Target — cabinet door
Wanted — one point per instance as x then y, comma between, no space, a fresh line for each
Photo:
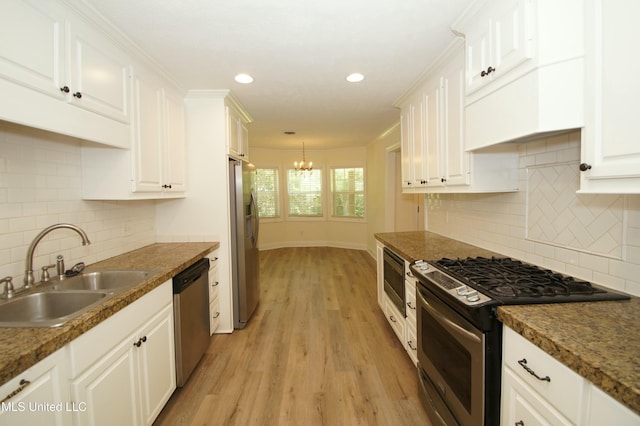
419,156
156,363
455,160
511,36
109,389
43,383
500,40
406,145
147,138
99,73
243,143
174,170
433,101
233,138
32,51
478,49
610,141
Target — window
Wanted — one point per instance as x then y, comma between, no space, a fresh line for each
267,184
347,192
305,193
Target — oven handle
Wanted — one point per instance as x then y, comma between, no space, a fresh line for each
446,322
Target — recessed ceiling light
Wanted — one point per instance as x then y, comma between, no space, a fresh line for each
244,78
355,77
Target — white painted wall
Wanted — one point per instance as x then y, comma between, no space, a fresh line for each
40,185
592,237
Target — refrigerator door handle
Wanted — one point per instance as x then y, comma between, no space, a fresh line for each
255,222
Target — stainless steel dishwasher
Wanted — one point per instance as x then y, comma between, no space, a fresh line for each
191,315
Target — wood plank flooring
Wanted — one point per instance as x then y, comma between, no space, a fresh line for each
318,351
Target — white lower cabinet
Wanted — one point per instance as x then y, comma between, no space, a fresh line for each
411,340
214,300
123,370
39,395
395,319
537,389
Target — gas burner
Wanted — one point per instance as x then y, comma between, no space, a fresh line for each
512,281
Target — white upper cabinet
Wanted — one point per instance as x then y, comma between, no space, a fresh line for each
99,74
59,73
237,131
36,57
610,148
433,137
498,43
413,147
448,164
155,166
524,69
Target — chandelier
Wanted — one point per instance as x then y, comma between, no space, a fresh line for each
302,166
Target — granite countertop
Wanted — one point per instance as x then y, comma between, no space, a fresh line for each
429,246
20,348
598,340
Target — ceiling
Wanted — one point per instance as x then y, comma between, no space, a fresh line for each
299,53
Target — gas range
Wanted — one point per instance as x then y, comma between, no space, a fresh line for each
482,283
458,333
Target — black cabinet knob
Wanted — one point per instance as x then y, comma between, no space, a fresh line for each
584,167
487,72
64,89
77,95
166,186
443,180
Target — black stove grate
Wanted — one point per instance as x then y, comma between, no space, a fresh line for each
505,278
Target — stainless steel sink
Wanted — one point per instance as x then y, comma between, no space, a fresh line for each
47,308
102,280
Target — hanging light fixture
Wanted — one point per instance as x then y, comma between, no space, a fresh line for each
302,166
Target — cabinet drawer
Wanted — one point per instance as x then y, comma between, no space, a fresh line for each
412,344
521,405
214,315
395,319
564,388
410,304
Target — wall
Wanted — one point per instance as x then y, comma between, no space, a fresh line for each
325,231
592,237
379,192
40,185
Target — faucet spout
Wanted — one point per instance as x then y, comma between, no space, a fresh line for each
28,273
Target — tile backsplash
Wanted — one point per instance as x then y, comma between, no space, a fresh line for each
40,185
592,237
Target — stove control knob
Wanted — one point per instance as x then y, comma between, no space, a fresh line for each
463,290
473,296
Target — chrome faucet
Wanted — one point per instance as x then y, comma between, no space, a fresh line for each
28,273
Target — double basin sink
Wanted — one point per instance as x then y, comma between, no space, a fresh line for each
55,302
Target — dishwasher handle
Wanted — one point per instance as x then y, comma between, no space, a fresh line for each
185,278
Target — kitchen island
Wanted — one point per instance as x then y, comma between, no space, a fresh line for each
597,340
21,348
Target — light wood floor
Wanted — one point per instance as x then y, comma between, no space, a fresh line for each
318,351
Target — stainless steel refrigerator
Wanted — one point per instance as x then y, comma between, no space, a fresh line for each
245,262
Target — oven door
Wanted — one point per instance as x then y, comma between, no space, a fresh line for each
451,358
394,279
